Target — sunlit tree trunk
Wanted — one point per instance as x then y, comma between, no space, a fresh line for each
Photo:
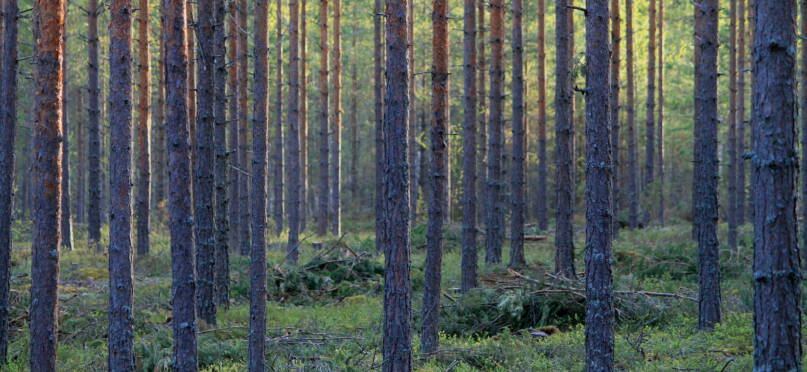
732,131
777,265
159,144
705,172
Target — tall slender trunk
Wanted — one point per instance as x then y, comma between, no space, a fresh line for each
257,262
243,144
8,121
293,145
777,265
469,255
541,205
46,178
378,95
660,120
143,139
740,116
439,157
190,45
222,248
397,340
159,144
630,109
517,258
803,105
705,176
94,130
354,119
335,208
564,144
276,164
324,153
494,214
482,169
65,217
183,278
732,130
412,130
234,174
81,155
121,273
650,106
204,193
614,102
305,193
599,227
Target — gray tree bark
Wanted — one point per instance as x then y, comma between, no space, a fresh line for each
494,216
66,215
94,130
335,208
378,95
517,258
221,276
564,144
469,255
324,126
777,265
276,164
143,188
293,145
705,176
542,209
616,145
630,110
650,107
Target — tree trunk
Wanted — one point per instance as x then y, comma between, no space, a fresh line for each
143,140
305,194
705,176
599,227
541,205
204,218
335,209
65,217
324,157
293,138
354,118
378,95
94,131
46,178
660,108
630,109
439,157
739,213
397,341
732,130
650,110
803,104
222,248
277,151
183,279
494,234
412,130
564,145
777,266
81,152
243,145
482,169
257,262
614,103
121,273
191,32
233,91
8,121
469,256
519,141
159,144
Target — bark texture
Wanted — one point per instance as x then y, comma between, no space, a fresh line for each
66,215
257,263
276,164
614,102
564,144
660,117
705,176
439,158
305,193
143,188
630,110
222,247
740,116
542,210
46,178
397,339
335,208
293,138
777,265
650,105
183,278
8,121
469,119
378,110
599,227
244,208
517,218
234,174
494,216
324,126
93,130
731,182
121,273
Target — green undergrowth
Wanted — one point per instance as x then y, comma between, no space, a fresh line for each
326,313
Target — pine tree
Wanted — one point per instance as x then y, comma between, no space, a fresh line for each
519,141
324,126
564,144
469,255
276,164
143,188
494,214
542,207
630,110
292,144
65,217
94,130
335,208
222,247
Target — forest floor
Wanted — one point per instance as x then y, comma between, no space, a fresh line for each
326,314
